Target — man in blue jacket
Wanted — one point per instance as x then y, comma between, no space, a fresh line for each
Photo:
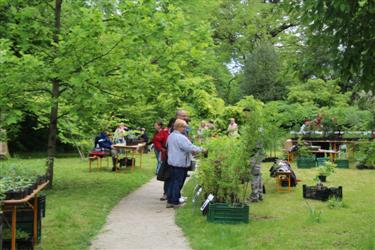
103,141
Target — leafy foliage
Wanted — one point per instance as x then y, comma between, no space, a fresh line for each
344,27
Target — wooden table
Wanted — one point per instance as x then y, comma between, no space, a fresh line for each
12,204
332,144
332,153
134,149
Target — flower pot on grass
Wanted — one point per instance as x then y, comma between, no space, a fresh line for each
322,178
227,213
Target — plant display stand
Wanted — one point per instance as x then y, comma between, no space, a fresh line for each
226,213
306,162
11,205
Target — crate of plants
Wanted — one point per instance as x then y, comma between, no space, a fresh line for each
18,180
321,192
18,187
305,159
226,177
228,213
342,163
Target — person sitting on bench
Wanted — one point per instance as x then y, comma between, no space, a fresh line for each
103,142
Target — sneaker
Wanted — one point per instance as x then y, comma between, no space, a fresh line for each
164,197
254,200
183,199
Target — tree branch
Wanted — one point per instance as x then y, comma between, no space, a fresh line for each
280,29
96,58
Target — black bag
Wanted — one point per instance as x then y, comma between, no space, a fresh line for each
164,171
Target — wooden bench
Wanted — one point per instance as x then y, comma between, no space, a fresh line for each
281,178
98,160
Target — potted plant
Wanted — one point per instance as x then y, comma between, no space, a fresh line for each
222,174
325,170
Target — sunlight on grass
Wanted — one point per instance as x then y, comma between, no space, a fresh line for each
285,221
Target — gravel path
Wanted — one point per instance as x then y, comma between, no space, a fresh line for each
141,221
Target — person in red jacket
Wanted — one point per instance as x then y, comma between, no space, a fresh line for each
158,125
160,141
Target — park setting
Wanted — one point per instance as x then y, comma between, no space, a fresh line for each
187,124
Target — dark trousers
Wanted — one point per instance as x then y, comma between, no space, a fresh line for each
175,183
165,187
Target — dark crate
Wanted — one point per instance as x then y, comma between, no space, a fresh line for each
321,192
20,244
303,162
342,163
225,213
25,220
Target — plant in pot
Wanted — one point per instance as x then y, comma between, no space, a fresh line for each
325,170
222,174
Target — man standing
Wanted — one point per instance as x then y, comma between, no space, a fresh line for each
179,159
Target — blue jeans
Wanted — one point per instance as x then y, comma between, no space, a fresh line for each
158,161
175,183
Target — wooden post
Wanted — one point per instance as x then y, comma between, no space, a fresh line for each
35,231
14,224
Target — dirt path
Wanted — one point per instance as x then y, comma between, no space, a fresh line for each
141,221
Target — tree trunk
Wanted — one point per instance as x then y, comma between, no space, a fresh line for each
52,133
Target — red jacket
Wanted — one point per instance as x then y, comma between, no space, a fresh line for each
159,141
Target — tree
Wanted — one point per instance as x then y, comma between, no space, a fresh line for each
261,72
346,29
78,65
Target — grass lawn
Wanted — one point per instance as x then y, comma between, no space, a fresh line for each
80,201
285,221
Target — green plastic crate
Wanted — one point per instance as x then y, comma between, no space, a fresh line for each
342,163
225,213
304,162
321,160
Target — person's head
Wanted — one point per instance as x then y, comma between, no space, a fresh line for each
121,126
307,122
158,125
203,124
232,120
182,114
180,125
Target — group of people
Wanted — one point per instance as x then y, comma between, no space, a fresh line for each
103,142
173,145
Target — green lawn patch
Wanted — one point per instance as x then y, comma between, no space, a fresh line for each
287,221
80,201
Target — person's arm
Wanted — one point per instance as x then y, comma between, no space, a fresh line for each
158,141
186,145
